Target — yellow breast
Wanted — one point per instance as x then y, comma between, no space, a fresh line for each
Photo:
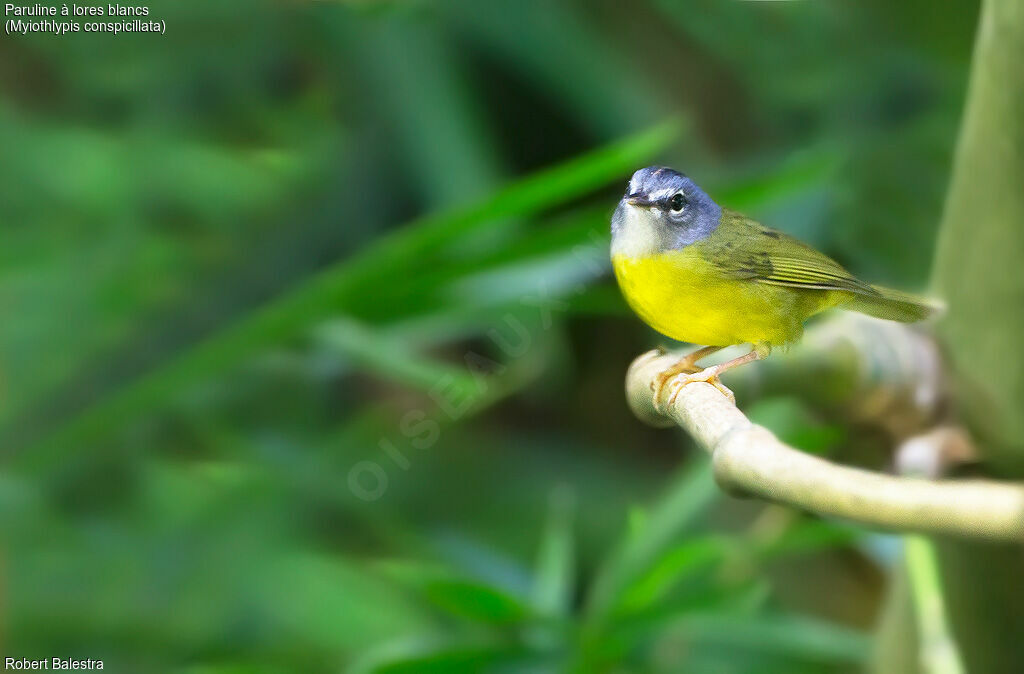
685,298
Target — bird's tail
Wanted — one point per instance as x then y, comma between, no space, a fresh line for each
894,305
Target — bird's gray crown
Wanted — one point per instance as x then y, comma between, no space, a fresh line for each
657,179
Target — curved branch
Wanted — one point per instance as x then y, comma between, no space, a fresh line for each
748,458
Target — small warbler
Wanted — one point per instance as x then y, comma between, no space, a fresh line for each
700,273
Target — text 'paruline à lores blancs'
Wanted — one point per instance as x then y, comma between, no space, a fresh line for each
68,18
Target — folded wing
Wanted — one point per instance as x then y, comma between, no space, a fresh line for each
748,250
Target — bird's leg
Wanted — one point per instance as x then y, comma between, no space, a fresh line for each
686,364
710,374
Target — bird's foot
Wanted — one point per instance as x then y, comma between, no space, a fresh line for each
663,378
708,375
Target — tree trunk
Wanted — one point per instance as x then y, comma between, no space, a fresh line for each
979,271
979,263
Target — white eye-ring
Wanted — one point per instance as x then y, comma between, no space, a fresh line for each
677,202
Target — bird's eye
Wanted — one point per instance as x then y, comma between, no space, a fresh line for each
677,202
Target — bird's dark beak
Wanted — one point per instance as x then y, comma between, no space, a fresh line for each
639,200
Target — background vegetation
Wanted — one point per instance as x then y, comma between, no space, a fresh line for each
310,358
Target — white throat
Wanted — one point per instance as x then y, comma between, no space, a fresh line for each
636,233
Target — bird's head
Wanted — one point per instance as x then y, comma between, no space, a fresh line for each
662,210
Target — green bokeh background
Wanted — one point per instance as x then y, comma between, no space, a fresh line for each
310,358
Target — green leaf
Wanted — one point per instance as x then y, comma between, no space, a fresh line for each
329,290
475,601
438,654
457,595
790,635
673,567
691,493
552,588
392,358
413,69
697,556
744,635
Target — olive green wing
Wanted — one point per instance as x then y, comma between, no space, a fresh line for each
745,249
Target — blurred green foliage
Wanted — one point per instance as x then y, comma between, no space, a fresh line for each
310,358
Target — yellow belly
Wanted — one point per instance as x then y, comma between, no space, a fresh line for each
685,298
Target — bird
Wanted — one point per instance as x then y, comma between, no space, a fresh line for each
700,273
